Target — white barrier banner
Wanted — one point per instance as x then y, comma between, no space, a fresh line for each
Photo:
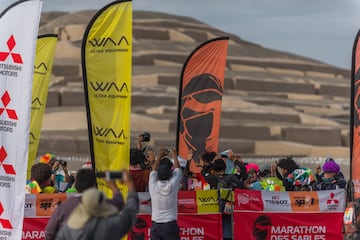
305,201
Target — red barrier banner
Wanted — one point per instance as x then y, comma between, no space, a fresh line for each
34,228
187,202
200,226
209,228
287,226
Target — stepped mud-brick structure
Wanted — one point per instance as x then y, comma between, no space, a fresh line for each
275,103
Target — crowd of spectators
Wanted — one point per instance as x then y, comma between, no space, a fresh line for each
222,170
217,170
227,170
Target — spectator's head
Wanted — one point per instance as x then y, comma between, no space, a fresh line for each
166,161
252,166
219,167
264,169
241,170
330,168
208,157
286,166
85,178
164,172
48,158
137,157
41,173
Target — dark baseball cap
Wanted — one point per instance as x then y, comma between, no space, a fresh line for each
164,172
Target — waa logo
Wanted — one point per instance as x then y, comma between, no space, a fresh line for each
5,223
105,41
108,86
32,137
106,132
9,169
36,103
207,199
16,57
41,67
5,99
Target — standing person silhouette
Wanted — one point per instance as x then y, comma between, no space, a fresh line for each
164,185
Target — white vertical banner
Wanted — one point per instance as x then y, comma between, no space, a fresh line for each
19,25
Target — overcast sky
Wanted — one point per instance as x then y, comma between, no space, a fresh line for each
319,29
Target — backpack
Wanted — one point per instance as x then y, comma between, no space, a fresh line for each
86,233
302,179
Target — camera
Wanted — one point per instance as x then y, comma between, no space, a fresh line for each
146,136
62,162
108,175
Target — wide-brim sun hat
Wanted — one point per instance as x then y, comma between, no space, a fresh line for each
93,204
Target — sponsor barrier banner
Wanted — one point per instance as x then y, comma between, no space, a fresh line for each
207,201
106,61
19,25
315,201
187,202
42,205
45,51
34,228
278,215
355,117
288,215
47,203
200,98
287,226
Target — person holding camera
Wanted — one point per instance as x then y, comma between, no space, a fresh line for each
142,141
59,173
164,185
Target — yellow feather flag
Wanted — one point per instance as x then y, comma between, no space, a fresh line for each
106,61
44,57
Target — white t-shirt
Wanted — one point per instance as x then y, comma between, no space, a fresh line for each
164,196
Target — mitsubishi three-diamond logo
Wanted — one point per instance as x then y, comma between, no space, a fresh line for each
5,223
5,99
16,57
9,169
332,199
